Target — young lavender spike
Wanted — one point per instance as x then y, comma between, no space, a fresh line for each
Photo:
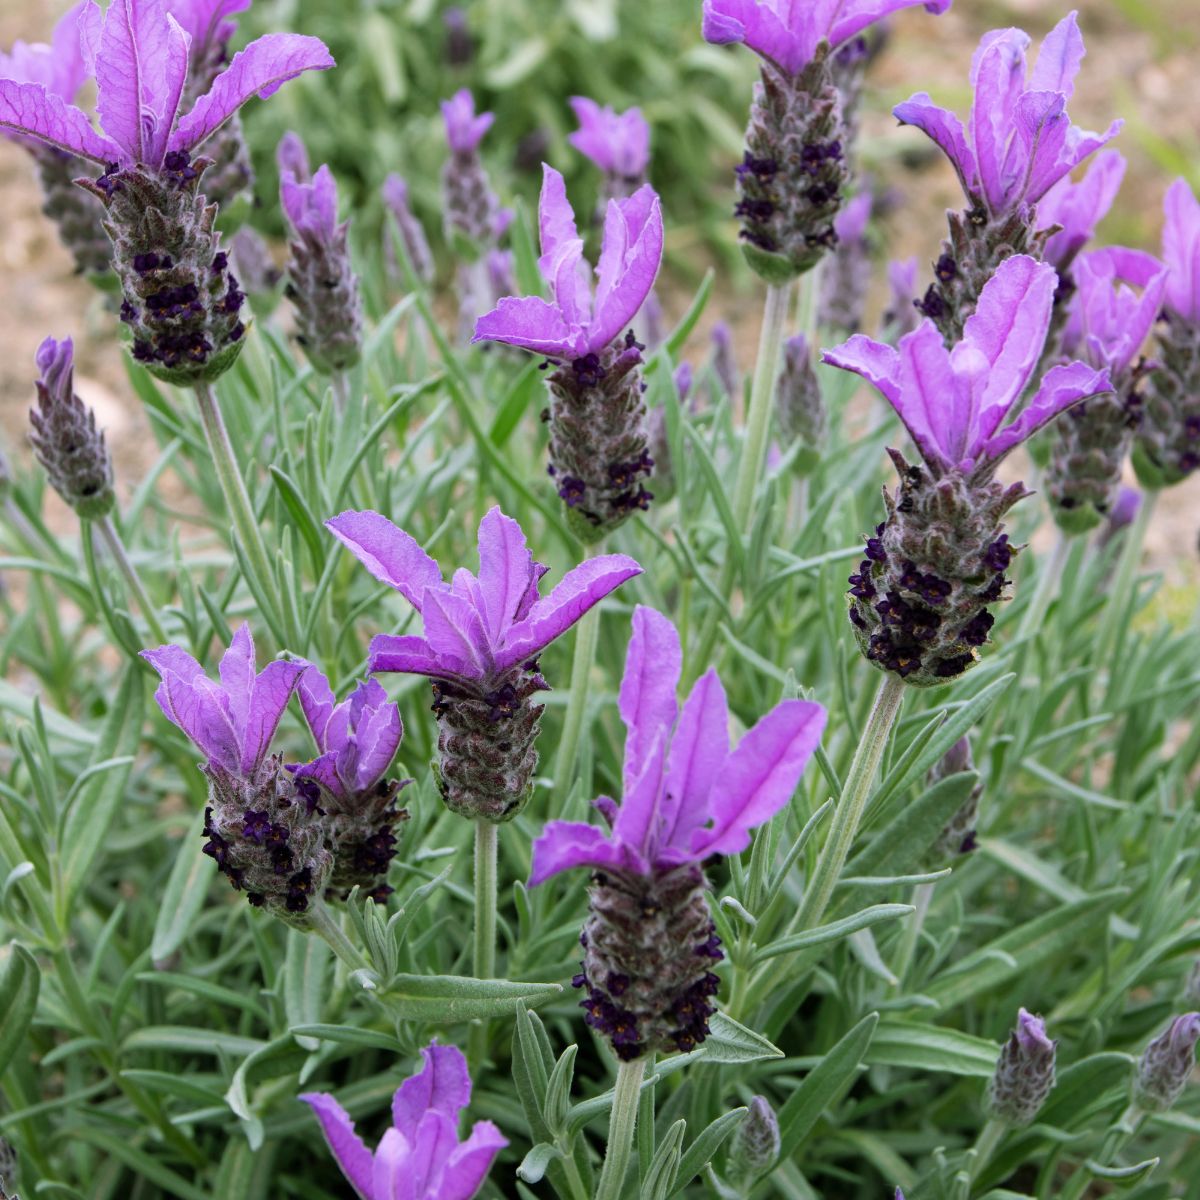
291,158
65,438
618,143
649,943
658,444
724,363
412,233
1166,1065
265,834
901,316
61,69
755,1145
1169,435
357,741
1018,144
598,446
483,635
420,1156
322,285
846,275
1024,1073
1108,326
460,46
799,404
920,600
180,302
794,172
255,266
472,209
958,836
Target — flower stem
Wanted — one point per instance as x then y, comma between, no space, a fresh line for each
1116,611
487,841
341,392
852,803
237,499
1047,588
620,1129
985,1146
1115,1140
116,547
325,924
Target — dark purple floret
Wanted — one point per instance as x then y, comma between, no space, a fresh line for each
256,826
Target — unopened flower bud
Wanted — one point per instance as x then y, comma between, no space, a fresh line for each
412,234
958,836
1024,1073
255,266
460,47
291,156
799,404
1164,1068
756,1143
65,438
724,363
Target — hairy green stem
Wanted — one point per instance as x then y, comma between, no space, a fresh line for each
989,1138
621,1129
325,925
340,384
487,843
116,547
1047,588
922,895
1114,1141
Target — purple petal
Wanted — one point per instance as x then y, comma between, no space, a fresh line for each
556,219
378,733
581,588
205,21
434,1140
618,143
1079,207
698,752
390,554
237,670
443,1084
999,82
469,1163
1076,145
318,701
877,363
852,19
646,700
392,1177
269,697
260,69
505,570
629,262
760,27
311,207
408,656
1059,58
324,769
28,108
1181,250
529,323
291,156
638,827
194,704
563,845
759,777
348,1148
455,633
946,130
929,404
463,128
851,223
1062,387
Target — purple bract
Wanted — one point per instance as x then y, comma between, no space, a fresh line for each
1181,251
464,129
618,143
1079,206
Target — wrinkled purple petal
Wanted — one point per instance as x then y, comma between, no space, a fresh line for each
378,732
470,1162
646,701
629,260
193,703
237,670
638,827
1181,250
1079,207
529,323
455,633
506,569
407,655
318,702
352,1155
698,752
1059,59
762,28
443,1084
392,1175
563,845
946,130
324,769
28,108
269,697
618,143
391,555
206,22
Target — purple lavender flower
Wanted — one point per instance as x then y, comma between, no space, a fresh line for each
322,285
460,47
1077,207
357,740
262,831
60,68
756,1143
724,362
1108,326
464,128
649,940
618,143
483,634
1169,436
918,606
799,404
847,273
409,228
598,446
794,171
1019,143
291,157
420,1157
1166,1065
1024,1073
900,316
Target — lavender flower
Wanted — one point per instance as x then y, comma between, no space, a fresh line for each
1019,143
472,208
793,173
322,285
847,272
1166,1065
618,143
409,228
291,157
255,266
265,834
1169,436
1108,326
1076,207
65,438
919,601
357,740
756,1143
650,940
420,1157
723,361
483,635
181,303
460,48
900,316
1024,1073
60,68
799,404
598,448
958,834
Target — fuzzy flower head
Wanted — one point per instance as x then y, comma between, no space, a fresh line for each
464,129
420,1157
1167,1064
579,323
1024,1074
1110,320
618,143
139,55
1078,206
311,207
787,32
1181,251
477,627
233,719
686,794
1019,141
59,68
954,403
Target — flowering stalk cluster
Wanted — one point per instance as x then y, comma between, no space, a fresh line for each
846,276
412,233
1024,1074
1167,1064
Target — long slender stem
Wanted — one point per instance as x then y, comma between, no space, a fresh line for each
1117,609
587,635
985,1146
852,803
620,1130
325,924
340,384
1047,588
922,895
487,843
116,547
1116,1138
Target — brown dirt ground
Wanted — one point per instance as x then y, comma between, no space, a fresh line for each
1141,64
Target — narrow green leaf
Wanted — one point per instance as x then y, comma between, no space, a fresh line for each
445,999
20,981
185,893
926,1047
704,1146
305,979
833,931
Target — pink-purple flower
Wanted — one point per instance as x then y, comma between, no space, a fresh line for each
58,67
788,32
1019,141
420,1157
311,207
1078,206
686,795
464,128
139,55
618,143
1181,251
579,323
954,403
